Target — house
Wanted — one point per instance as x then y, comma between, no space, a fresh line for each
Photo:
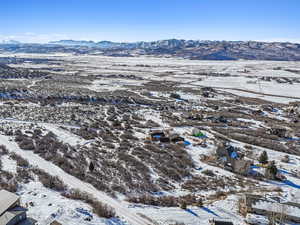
221,150
284,211
55,223
11,213
220,222
156,135
232,159
176,138
227,151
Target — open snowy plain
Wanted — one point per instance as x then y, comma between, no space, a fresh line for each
88,123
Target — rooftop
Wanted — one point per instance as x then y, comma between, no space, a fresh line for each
7,200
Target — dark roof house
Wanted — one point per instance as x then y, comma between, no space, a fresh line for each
55,223
176,138
10,211
221,222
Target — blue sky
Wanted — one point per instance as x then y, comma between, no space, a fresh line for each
136,20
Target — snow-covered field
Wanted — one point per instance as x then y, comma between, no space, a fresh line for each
120,130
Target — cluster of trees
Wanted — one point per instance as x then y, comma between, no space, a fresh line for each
271,169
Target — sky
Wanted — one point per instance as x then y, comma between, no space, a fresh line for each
148,20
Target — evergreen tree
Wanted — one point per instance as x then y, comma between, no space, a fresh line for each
271,171
183,205
200,202
263,158
91,167
272,167
73,117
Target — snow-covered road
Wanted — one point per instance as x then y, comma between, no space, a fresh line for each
35,160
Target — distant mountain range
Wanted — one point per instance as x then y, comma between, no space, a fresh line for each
12,42
101,44
190,49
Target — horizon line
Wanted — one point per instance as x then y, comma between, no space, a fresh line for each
2,41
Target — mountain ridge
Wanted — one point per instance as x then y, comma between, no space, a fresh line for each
189,49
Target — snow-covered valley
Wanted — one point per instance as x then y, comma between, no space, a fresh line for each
93,140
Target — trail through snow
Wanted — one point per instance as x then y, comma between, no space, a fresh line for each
35,160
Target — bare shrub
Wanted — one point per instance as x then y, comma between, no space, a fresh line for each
37,132
8,182
102,210
3,150
166,201
25,143
52,182
20,160
23,175
209,173
86,133
11,186
197,183
128,136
